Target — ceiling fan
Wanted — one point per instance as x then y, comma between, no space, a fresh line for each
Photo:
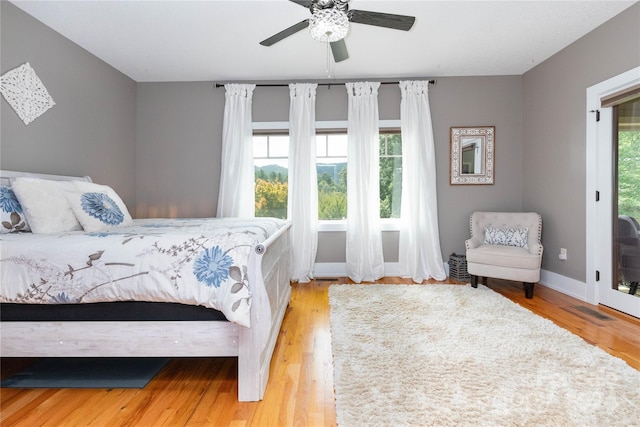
329,22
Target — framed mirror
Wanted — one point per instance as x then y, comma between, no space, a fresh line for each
472,155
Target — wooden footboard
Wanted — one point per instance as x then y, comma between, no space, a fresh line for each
269,276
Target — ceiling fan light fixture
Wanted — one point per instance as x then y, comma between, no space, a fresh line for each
328,25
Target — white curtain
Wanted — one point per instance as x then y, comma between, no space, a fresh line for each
303,182
364,239
236,195
420,256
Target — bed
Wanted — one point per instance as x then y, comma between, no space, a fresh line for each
134,304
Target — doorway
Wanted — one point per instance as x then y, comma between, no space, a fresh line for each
612,191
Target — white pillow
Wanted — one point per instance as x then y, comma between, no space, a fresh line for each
517,237
97,207
45,205
11,216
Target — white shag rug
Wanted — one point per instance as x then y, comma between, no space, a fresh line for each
452,355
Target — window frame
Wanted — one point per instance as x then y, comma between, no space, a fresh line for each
386,224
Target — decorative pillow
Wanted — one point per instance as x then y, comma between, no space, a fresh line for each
97,207
517,237
45,205
11,214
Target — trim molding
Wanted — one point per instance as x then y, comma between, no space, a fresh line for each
328,124
566,285
339,269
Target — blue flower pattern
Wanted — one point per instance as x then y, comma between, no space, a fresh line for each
211,266
8,200
101,207
63,298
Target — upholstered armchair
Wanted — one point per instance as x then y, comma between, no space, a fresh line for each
505,245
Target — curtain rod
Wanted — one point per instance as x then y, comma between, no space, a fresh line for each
431,82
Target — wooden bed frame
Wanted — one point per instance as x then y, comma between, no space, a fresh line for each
269,280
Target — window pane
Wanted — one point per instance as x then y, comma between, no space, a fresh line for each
337,145
279,146
271,176
332,188
321,145
390,175
394,144
390,145
259,146
626,253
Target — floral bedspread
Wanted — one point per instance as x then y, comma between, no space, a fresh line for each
188,261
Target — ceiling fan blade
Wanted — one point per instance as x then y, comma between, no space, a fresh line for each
303,3
388,20
285,33
339,49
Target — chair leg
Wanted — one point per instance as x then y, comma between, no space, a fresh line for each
474,281
633,288
528,290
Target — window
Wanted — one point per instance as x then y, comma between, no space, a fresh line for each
271,150
271,165
331,160
390,173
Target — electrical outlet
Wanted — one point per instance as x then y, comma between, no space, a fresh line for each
563,254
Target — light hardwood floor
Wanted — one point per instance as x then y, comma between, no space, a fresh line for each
202,392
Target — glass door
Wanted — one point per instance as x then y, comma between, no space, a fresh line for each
613,191
616,240
626,197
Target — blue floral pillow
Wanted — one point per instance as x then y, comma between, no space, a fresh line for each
517,237
11,216
98,207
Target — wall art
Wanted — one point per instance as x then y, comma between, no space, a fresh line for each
25,93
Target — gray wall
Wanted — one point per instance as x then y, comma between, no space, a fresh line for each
179,143
178,149
90,130
554,135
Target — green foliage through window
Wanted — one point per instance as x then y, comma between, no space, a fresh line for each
629,173
390,175
271,176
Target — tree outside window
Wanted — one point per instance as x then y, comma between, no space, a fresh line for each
271,174
629,173
271,166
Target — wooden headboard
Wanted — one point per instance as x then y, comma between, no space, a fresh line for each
6,177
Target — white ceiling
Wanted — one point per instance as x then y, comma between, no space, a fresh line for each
218,40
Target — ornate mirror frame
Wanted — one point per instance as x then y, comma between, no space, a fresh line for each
472,155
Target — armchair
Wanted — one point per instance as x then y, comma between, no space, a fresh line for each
505,245
629,251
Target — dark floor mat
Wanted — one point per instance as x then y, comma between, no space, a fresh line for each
78,372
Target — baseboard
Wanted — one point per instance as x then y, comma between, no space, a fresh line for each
339,269
329,269
557,282
566,285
